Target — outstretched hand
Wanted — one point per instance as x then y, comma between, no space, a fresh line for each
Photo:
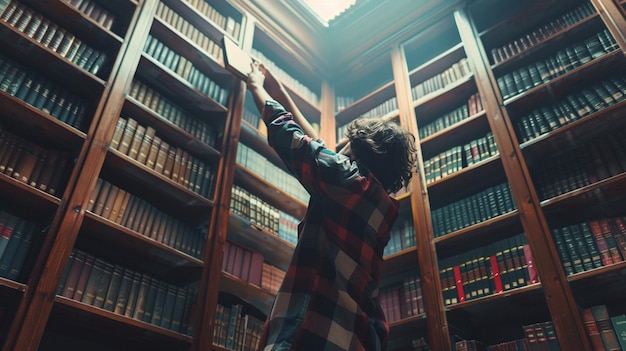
256,78
272,84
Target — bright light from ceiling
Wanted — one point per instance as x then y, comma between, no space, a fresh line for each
328,9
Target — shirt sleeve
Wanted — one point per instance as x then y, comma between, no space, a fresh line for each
318,169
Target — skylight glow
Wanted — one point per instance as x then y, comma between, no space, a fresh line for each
326,10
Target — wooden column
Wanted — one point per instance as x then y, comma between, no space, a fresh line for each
437,325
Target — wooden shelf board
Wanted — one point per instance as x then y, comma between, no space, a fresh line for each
110,327
178,89
110,240
253,295
275,250
257,141
21,49
269,192
460,133
168,130
568,135
480,234
573,32
201,59
602,198
144,180
564,84
463,86
525,305
23,196
47,130
466,181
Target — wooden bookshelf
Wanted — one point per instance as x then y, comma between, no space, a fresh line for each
384,67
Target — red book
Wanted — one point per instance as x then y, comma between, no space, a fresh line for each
592,330
7,225
459,283
532,272
238,261
620,234
531,337
603,247
497,280
607,231
256,269
246,260
230,265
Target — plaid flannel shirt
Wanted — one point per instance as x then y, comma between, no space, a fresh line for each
328,300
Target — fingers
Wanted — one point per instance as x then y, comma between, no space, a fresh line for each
254,66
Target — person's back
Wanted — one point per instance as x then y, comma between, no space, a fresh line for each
329,297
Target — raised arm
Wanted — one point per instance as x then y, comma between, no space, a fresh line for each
267,86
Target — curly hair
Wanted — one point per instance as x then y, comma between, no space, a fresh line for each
385,148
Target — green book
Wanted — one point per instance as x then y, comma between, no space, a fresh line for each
619,325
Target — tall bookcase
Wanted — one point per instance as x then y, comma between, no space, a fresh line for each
131,159
497,170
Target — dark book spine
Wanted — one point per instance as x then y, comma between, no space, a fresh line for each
113,288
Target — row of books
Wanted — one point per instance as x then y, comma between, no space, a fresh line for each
468,345
592,244
17,238
94,11
390,105
341,102
243,263
33,88
256,163
491,269
584,164
476,208
404,300
454,73
288,228
474,105
253,208
227,23
120,206
252,117
420,344
236,330
173,113
557,64
185,69
41,168
272,278
141,143
605,332
311,96
249,266
401,236
53,37
96,282
571,108
383,109
537,35
537,337
263,215
188,30
459,157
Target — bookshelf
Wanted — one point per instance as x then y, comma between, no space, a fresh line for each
440,107
514,161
